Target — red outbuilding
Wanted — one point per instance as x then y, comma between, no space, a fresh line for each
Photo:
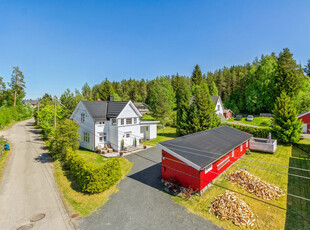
305,118
227,114
197,159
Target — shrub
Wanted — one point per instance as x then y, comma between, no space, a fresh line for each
91,178
14,113
66,135
248,152
256,132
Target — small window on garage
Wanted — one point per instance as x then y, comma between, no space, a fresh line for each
247,144
241,147
233,153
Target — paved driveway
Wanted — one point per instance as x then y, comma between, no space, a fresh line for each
27,187
140,203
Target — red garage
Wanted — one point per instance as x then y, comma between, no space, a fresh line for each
305,118
227,114
197,159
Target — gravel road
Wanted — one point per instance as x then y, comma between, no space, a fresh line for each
27,187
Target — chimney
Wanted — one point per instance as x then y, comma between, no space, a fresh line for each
111,98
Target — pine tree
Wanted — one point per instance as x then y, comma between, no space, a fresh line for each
183,97
287,76
196,76
212,87
307,68
286,125
17,83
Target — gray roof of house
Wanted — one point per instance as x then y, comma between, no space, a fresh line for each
206,147
33,102
103,110
215,99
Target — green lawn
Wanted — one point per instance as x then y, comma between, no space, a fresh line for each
267,216
148,117
258,121
170,133
78,202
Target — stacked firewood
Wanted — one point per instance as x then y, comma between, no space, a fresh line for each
229,207
255,185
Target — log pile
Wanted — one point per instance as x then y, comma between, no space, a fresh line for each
255,185
229,207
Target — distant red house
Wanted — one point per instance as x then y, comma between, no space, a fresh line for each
197,159
227,114
305,118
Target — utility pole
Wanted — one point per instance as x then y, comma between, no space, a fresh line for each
38,110
55,98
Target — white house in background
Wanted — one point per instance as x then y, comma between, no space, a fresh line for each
219,108
110,122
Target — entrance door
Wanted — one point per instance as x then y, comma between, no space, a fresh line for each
147,132
128,140
304,128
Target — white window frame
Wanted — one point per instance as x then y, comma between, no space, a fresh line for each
122,121
222,164
128,119
247,144
86,137
82,117
233,153
135,120
113,120
241,147
208,169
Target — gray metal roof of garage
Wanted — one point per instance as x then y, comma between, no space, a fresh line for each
206,147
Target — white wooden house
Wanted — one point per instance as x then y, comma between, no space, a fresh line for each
110,122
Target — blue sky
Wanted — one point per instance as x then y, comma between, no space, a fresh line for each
63,44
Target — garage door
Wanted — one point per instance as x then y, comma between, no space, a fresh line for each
304,128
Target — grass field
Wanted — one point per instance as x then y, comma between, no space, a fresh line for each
3,159
258,121
78,202
148,117
267,216
170,133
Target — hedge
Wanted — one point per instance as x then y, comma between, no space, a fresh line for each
256,132
14,113
91,178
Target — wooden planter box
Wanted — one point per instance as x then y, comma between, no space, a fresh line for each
263,145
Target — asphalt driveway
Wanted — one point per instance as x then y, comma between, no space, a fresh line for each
141,204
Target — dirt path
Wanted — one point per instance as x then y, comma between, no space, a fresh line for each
27,187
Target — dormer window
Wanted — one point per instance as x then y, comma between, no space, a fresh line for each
82,117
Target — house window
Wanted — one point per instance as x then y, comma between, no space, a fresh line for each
218,107
82,117
86,137
208,170
127,135
128,121
247,144
223,163
113,121
241,147
102,136
135,120
122,121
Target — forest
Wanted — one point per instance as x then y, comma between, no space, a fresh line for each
251,88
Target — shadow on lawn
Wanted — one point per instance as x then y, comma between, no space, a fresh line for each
300,187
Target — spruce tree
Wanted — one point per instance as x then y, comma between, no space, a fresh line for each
212,87
286,125
287,76
196,76
183,97
307,68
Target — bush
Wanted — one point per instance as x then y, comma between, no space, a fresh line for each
14,113
256,132
248,152
93,179
66,135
